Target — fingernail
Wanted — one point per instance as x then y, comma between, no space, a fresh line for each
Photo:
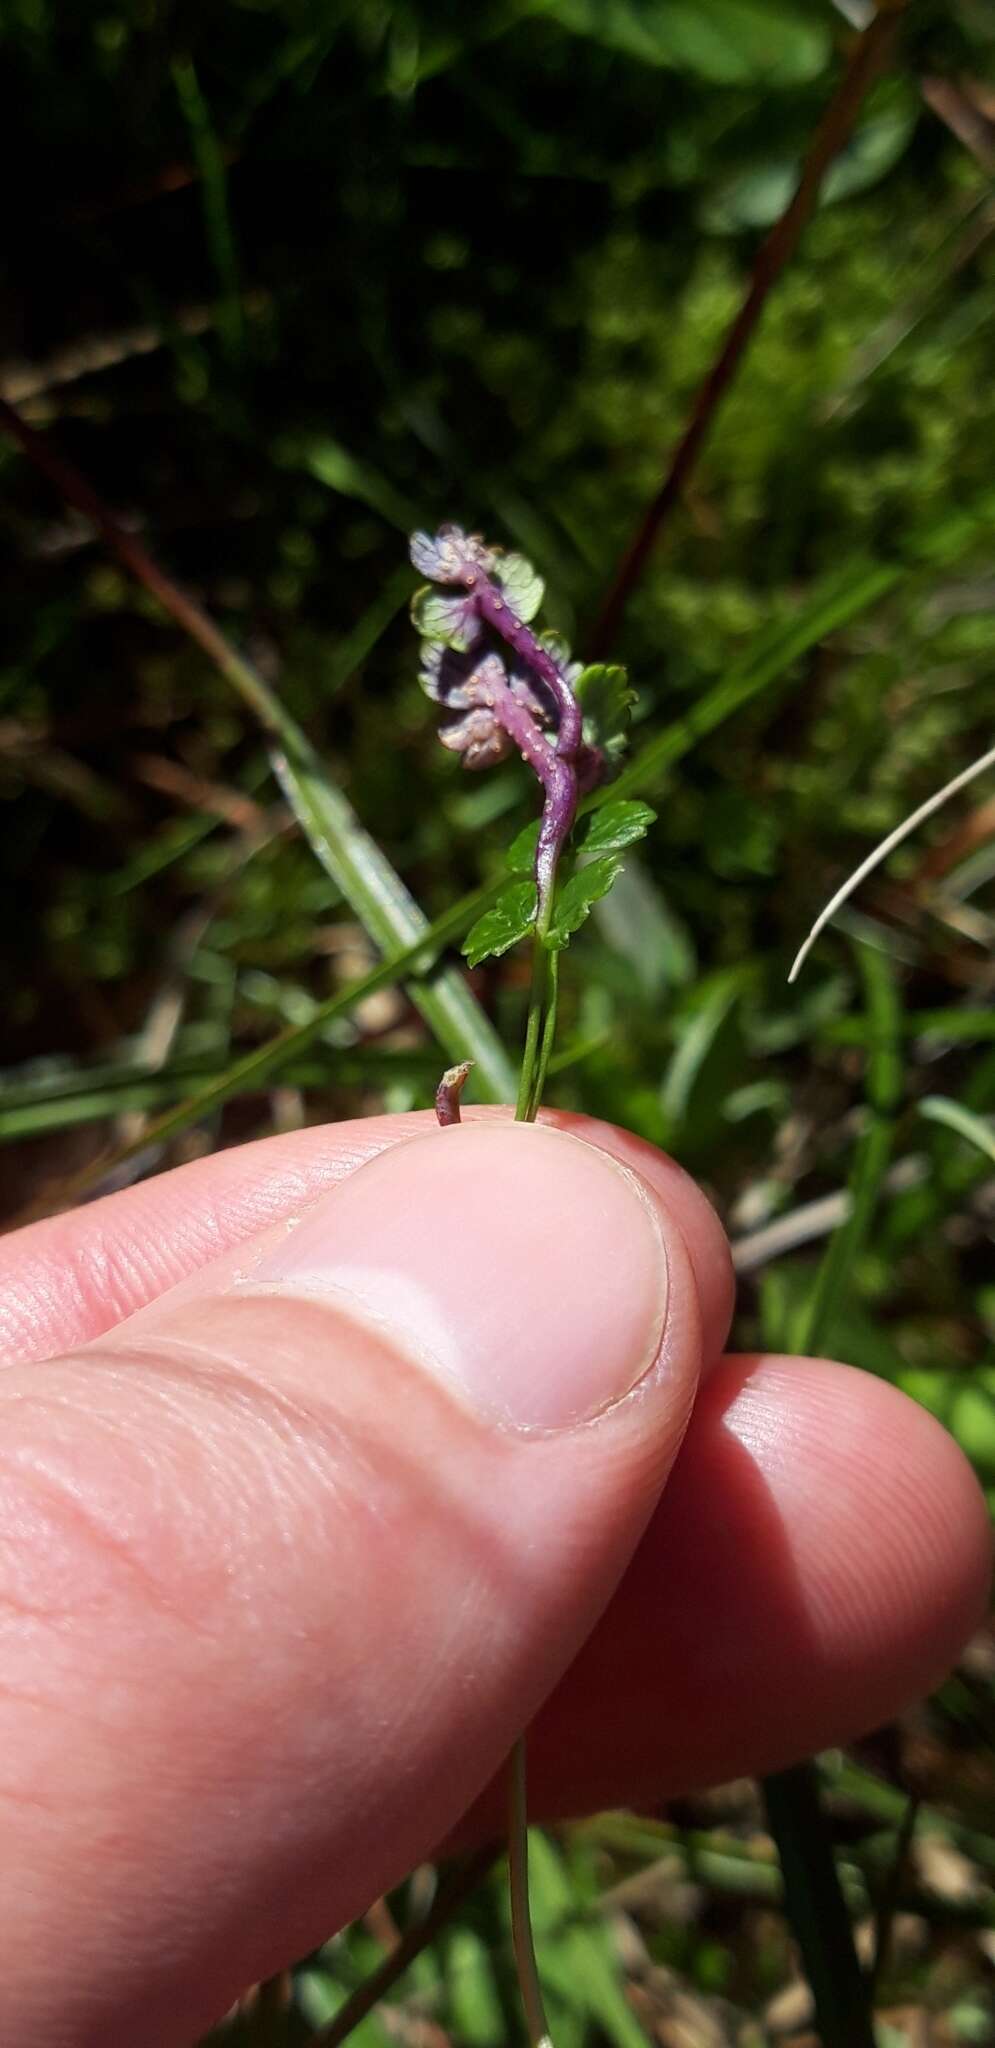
526,1268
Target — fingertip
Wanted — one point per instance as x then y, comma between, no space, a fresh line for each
819,1559
890,1524
688,1206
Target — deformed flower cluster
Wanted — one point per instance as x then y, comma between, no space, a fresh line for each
500,684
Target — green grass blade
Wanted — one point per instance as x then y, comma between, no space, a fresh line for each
351,651
819,1916
89,1104
813,1895
264,1062
979,1131
371,886
210,159
834,603
388,911
873,1152
967,1026
32,1110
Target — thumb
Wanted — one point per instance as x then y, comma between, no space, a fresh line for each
289,1559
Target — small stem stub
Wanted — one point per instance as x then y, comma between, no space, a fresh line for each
448,1092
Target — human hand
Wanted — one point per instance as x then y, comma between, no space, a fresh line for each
308,1523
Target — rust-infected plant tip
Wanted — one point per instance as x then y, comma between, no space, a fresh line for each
448,1092
504,687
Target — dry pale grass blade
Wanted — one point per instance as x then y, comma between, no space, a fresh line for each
881,852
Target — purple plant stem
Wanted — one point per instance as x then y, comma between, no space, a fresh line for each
498,614
558,778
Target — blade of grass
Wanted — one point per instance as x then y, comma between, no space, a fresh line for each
31,1110
353,649
267,1060
814,1900
867,59
836,601
364,874
463,1880
884,1926
978,1131
886,846
873,1153
817,1909
887,1804
388,911
210,160
972,1026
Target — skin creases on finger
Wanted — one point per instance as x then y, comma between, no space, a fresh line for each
307,1550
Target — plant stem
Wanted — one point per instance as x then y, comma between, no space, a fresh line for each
521,1919
541,1024
539,1034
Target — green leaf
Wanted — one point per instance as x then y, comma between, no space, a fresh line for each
579,1964
638,925
320,1996
978,1130
710,1060
727,42
444,617
557,646
501,927
577,896
755,198
522,587
340,471
615,825
877,142
521,855
606,701
474,2003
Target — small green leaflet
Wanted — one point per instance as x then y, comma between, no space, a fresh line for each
555,645
521,855
614,825
450,619
575,899
522,587
503,925
606,701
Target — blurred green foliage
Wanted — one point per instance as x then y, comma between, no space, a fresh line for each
286,277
